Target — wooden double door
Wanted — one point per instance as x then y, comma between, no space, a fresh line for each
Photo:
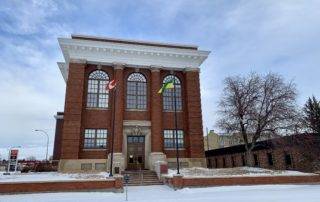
135,152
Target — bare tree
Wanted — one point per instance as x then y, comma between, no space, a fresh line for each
31,158
257,105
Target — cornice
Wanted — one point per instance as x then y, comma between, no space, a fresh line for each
129,55
190,69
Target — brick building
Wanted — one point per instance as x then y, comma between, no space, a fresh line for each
296,152
144,119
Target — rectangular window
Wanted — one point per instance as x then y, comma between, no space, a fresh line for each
86,166
243,160
287,158
168,99
100,166
209,163
256,160
223,162
136,95
97,96
216,162
270,159
95,139
170,138
233,161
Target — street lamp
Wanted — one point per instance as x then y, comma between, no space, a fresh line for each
44,132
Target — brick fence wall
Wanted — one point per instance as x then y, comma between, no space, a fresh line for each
31,187
178,182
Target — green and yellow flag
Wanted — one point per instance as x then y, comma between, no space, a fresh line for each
167,85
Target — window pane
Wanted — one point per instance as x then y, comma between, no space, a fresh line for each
92,100
168,95
92,86
97,95
95,138
170,139
101,133
136,91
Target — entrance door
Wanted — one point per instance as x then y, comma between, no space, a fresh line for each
135,155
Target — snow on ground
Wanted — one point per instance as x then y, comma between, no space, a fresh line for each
51,176
162,193
235,172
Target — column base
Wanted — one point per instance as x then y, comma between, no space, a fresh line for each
118,163
155,157
82,165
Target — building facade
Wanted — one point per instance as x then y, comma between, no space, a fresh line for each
143,119
214,140
211,141
296,152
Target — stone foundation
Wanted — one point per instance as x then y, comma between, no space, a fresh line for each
118,162
155,157
82,165
187,162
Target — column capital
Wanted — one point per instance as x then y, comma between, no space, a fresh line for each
117,65
155,68
191,69
78,61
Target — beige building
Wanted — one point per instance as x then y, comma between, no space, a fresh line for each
211,141
217,141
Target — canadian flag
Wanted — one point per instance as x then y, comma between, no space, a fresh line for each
112,84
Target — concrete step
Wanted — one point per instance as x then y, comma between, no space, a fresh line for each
142,178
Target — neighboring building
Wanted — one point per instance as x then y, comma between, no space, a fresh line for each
228,140
211,141
296,152
217,141
144,119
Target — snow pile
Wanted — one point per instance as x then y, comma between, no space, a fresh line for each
234,172
51,176
261,193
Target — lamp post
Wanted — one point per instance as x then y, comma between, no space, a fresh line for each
44,132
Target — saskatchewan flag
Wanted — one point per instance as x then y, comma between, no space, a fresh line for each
167,85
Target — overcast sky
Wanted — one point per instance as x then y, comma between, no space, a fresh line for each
244,36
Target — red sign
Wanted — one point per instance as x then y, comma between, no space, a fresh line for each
14,154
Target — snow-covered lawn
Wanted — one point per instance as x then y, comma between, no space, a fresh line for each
235,172
50,176
261,193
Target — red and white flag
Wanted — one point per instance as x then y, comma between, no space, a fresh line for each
112,84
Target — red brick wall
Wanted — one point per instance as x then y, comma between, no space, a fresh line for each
31,187
78,117
58,138
156,109
180,182
277,156
194,114
73,112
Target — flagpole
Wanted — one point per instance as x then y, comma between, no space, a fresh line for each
176,123
112,136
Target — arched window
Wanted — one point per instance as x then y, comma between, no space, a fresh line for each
98,96
136,91
168,94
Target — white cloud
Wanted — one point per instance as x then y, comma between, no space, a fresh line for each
26,17
278,36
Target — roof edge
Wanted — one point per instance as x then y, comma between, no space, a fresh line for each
135,42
